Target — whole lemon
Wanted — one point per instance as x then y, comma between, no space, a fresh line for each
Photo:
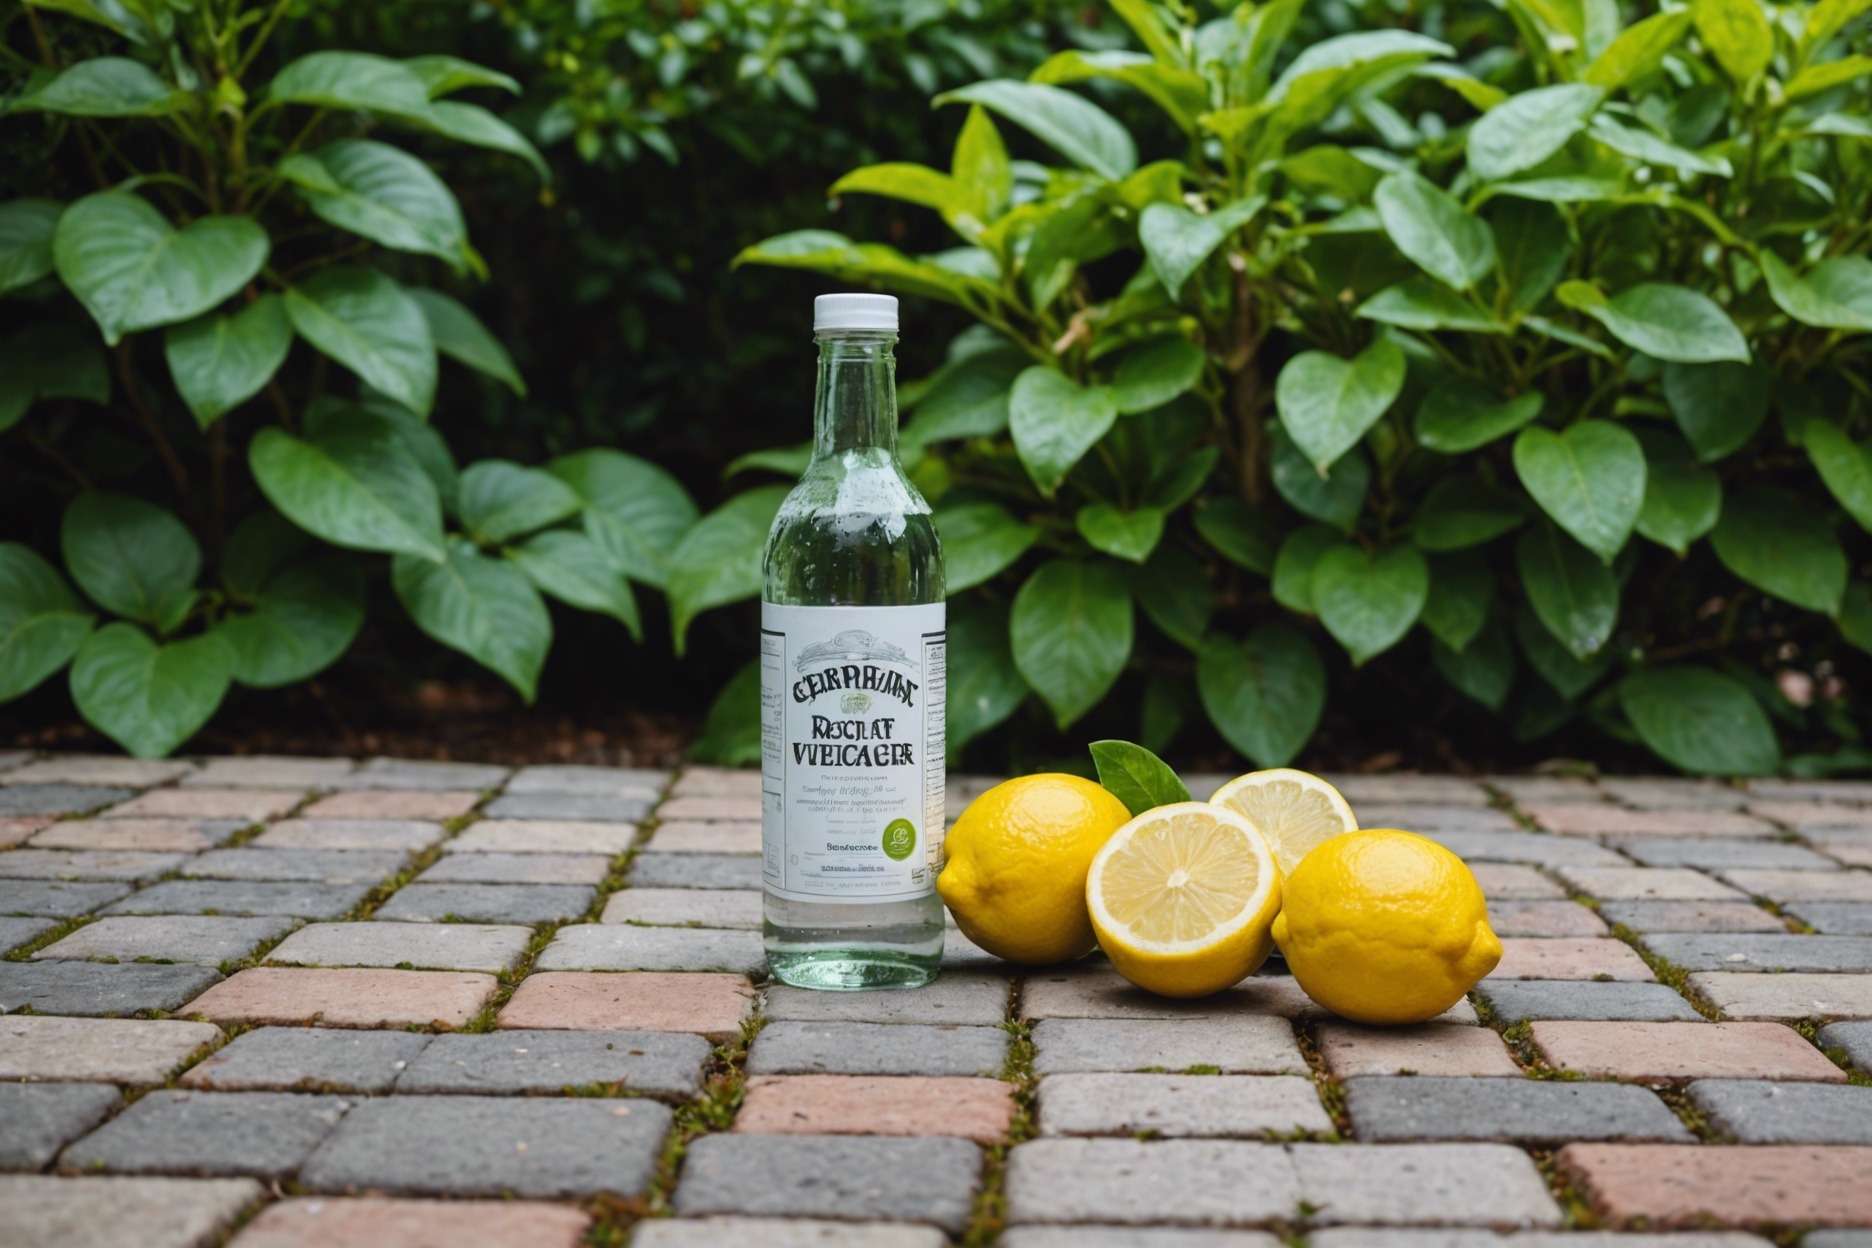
1383,926
1016,875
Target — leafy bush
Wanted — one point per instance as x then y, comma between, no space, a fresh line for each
1544,365
241,214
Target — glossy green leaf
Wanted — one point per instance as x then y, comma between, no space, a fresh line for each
573,568
1589,477
1855,617
1425,304
718,561
263,543
1483,671
634,510
132,270
1682,498
444,75
1265,693
1431,227
1244,536
475,126
979,542
26,230
1129,535
1136,777
1180,93
1638,49
1366,601
980,164
866,264
1782,545
1074,127
1151,375
303,621
1574,595
50,359
984,687
1665,321
1648,147
149,697
42,622
1292,581
353,484
350,80
1461,590
1845,466
731,733
1737,33
1327,404
1567,676
1071,631
131,557
1177,594
1461,512
378,416
485,608
501,500
104,86
369,324
459,335
1335,498
1527,128
1532,246
1461,416
1055,421
220,361
1835,294
911,183
1700,721
1718,406
1176,241
384,194
967,398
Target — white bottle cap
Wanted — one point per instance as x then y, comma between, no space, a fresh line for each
855,311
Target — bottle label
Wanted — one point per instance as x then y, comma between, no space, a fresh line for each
852,751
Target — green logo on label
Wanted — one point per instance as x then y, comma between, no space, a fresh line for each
899,839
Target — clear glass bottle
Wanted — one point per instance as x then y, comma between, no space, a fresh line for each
853,659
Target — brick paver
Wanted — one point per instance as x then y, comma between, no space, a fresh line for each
100,989
975,1109
99,769
1782,952
1515,1000
708,1004
308,1059
737,908
322,866
976,998
1525,1110
595,807
623,947
691,837
87,864
783,1233
15,932
56,899
1852,1039
296,898
641,782
798,1048
1179,1105
423,774
324,1222
1756,1111
658,870
44,1211
1713,855
1646,884
1550,958
418,946
831,1176
1680,1186
58,799
1837,918
15,829
399,835
1740,994
38,1119
248,805
500,868
543,836
204,939
1544,918
1247,1045
1510,881
109,1049
270,771
1691,916
1803,885
489,903
1604,819
396,804
345,998
643,1063
145,835
1426,1049
184,1132
1659,1052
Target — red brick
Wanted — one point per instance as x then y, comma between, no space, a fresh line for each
252,805
1686,1185
1657,1052
709,1003
977,1109
147,835
1426,1049
1569,959
393,804
1513,881
1604,819
322,1222
345,997
1512,917
15,829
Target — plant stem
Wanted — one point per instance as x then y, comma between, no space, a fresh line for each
139,406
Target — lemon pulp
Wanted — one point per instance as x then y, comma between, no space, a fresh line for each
1295,810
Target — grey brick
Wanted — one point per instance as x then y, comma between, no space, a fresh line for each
971,997
493,1145
654,870
56,899
1515,1000
86,864
263,1134
735,908
1853,1039
1438,821
208,941
1837,1239
1132,1183
1249,1044
1763,1112
782,1233
38,1119
308,1059
1529,1111
912,1180
1646,884
800,1048
419,946
1406,788
58,799
1531,848
1749,952
635,782
296,899
36,1048
1133,1237
158,835
323,866
1790,886
1691,916
408,773
489,903
1179,1105
1094,990
518,869
648,1063
621,947
53,1211
596,807
16,932
1788,995
1657,793
1714,855
1835,918
401,836
94,989
1396,1237
1423,1184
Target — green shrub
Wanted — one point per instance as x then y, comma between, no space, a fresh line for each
1544,366
238,235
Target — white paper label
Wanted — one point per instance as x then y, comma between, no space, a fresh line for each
852,751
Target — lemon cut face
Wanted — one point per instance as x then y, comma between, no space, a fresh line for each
1295,810
1182,899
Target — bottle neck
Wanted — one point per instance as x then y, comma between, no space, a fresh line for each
856,404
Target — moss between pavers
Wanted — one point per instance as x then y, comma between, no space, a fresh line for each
988,1214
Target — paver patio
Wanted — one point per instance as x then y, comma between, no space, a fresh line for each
303,1003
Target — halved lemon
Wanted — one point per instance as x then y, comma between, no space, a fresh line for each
1295,810
1182,899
